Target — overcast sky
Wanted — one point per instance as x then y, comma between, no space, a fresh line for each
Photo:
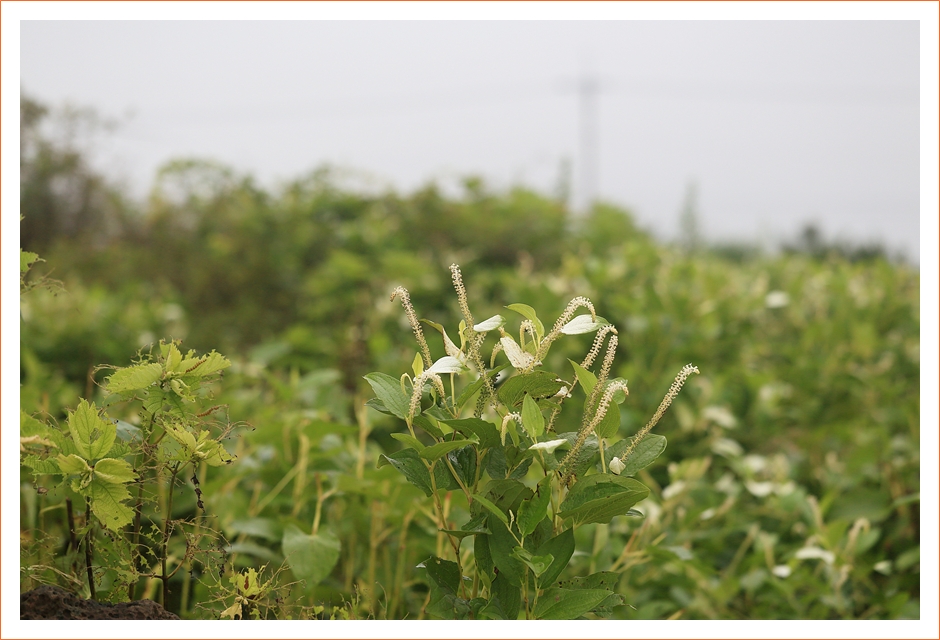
776,123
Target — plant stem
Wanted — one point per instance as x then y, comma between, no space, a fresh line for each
166,537
88,550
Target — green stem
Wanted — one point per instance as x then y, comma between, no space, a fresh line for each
166,538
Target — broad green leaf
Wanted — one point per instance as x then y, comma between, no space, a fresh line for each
532,419
311,557
561,548
417,365
610,423
173,359
534,510
602,580
133,378
486,432
492,508
408,462
476,525
434,452
267,528
585,456
107,502
412,442
529,313
586,378
93,436
444,573
567,604
72,464
211,451
428,425
505,600
388,390
538,384
501,545
114,471
645,453
583,324
186,439
40,466
601,497
445,581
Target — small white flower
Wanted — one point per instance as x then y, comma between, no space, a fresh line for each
616,466
782,571
548,447
759,489
776,300
815,553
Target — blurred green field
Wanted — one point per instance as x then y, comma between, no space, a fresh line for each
789,488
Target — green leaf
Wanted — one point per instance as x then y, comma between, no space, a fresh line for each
107,503
538,564
532,419
534,510
408,462
538,384
266,528
444,573
408,440
27,258
388,390
93,436
434,452
486,432
561,548
601,497
477,384
645,453
73,464
505,600
610,423
133,378
601,580
529,313
311,557
567,604
492,508
207,365
501,544
114,471
586,378
476,525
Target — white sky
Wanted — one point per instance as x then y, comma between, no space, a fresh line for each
777,123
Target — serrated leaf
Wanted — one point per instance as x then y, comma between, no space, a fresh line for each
107,502
311,557
532,419
408,440
489,324
599,498
583,324
72,464
27,258
114,471
40,466
534,510
568,604
207,365
434,452
93,437
133,378
529,313
644,455
388,390
538,384
173,359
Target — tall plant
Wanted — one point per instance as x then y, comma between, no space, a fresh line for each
527,487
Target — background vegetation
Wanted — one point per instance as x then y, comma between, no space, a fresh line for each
790,486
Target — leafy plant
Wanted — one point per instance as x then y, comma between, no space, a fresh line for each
490,437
